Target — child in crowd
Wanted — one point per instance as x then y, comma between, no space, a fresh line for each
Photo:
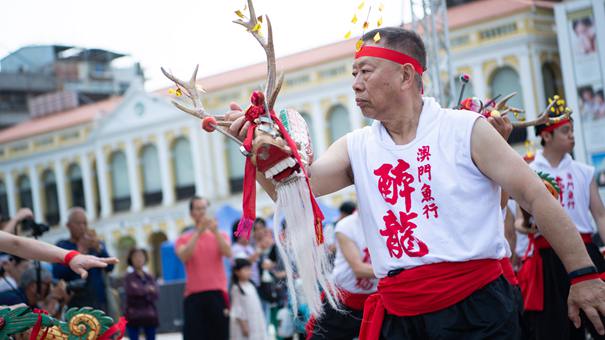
247,320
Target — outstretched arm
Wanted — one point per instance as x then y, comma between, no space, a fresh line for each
37,250
597,209
504,166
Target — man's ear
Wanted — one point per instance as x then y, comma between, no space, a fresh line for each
408,76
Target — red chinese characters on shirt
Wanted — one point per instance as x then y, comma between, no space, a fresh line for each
395,182
430,208
406,243
365,283
424,153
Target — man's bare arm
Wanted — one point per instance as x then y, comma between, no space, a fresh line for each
509,230
597,209
185,251
350,251
328,174
502,164
498,161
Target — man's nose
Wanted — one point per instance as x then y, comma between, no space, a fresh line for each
358,85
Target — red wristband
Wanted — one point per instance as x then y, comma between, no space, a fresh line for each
585,278
70,256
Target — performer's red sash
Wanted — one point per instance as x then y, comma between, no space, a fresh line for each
425,289
531,274
508,272
353,300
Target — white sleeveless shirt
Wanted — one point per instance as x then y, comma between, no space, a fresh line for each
343,275
574,179
426,201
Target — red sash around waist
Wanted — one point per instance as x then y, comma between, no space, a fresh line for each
531,274
425,289
508,272
353,300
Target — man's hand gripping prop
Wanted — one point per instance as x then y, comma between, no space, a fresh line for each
279,148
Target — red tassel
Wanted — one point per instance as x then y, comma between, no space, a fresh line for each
244,228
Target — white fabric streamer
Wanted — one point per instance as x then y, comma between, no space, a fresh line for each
299,248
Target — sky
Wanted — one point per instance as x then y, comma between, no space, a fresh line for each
180,34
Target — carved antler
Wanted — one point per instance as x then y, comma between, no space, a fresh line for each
273,82
544,118
192,91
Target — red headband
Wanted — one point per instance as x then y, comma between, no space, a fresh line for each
553,127
388,54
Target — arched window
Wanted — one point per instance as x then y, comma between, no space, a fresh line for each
150,171
76,186
309,120
338,122
505,80
182,168
552,83
3,201
155,259
25,192
120,186
235,166
51,198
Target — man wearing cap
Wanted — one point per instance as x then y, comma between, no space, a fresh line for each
428,181
546,308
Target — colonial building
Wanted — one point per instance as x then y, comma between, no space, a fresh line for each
133,161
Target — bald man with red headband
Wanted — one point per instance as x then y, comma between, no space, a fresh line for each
428,181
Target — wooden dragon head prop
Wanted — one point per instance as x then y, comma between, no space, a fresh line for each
279,147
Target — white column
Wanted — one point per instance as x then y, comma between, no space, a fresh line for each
88,187
133,179
319,125
164,158
201,178
529,100
10,192
478,81
35,190
103,183
539,79
60,177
